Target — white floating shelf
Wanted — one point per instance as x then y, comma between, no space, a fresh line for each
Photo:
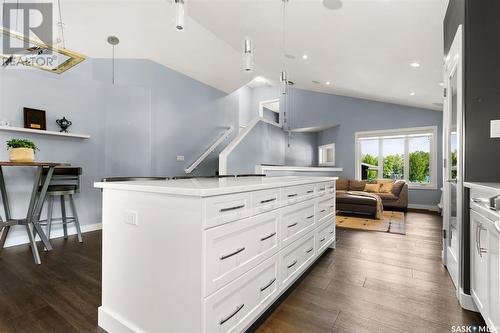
34,131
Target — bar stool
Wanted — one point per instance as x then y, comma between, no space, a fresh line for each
65,182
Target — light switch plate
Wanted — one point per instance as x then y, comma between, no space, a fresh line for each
495,129
180,158
130,217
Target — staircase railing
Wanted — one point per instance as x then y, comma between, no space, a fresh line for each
236,141
209,150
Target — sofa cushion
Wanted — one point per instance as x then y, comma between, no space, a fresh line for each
372,188
387,196
342,184
397,187
357,185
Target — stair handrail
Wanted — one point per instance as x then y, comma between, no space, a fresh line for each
209,150
236,141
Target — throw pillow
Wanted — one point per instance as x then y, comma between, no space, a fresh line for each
357,185
342,184
386,187
397,187
372,188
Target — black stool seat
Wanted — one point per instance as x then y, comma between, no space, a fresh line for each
61,188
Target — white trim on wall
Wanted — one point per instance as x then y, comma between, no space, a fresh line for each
57,232
399,132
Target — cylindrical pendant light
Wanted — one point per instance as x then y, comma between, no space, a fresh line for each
180,14
247,55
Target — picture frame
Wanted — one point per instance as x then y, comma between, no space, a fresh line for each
34,119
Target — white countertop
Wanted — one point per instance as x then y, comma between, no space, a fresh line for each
205,187
492,187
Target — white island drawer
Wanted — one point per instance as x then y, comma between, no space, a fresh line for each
263,201
234,248
294,194
295,258
226,208
296,221
325,236
236,306
326,208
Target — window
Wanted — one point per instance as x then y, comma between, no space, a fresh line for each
326,154
408,154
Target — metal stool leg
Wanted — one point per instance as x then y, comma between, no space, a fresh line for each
34,249
50,210
64,220
75,216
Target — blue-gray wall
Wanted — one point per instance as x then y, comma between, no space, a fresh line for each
138,126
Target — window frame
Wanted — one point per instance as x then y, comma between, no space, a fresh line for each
406,133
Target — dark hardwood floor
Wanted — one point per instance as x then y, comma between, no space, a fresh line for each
372,282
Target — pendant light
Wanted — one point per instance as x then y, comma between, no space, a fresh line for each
247,55
180,14
113,41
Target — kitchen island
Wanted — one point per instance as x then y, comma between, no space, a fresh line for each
208,254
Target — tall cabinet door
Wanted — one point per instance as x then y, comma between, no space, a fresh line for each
479,260
494,280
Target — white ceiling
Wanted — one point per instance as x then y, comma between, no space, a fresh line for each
364,49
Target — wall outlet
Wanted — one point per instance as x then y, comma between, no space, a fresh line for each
130,217
180,157
495,129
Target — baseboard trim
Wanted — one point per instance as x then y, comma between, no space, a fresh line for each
111,322
57,231
466,301
432,208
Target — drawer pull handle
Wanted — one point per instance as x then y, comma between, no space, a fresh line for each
310,217
310,191
238,309
332,206
322,239
323,210
268,200
322,189
292,195
293,224
268,285
292,264
225,256
309,251
222,210
331,232
331,187
267,237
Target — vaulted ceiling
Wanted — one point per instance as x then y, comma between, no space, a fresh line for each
364,49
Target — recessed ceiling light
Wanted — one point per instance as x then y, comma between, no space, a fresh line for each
415,64
441,84
332,4
412,93
305,56
327,83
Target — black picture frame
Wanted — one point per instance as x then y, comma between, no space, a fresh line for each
34,119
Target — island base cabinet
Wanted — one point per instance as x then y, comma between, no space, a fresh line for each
493,320
234,307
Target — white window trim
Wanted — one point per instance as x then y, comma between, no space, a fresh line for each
328,146
399,132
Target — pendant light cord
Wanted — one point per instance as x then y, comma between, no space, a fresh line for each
61,24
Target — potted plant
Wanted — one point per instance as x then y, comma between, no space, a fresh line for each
21,150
